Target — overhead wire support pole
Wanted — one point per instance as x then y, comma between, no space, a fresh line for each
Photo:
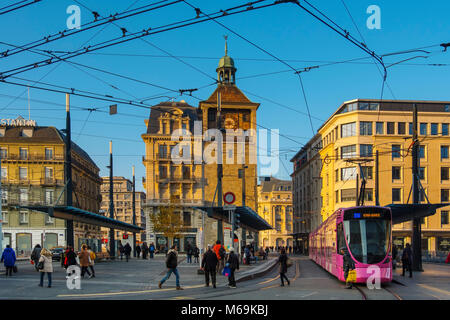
112,244
417,223
68,173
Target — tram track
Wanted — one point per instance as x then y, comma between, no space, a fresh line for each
365,296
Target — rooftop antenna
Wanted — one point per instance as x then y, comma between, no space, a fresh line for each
226,45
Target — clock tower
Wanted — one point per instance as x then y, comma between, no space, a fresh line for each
237,113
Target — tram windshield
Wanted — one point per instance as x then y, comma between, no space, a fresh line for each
368,239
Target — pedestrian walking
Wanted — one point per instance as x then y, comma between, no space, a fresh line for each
152,250
247,255
233,264
70,258
189,253
92,257
127,251
196,254
348,265
138,250
47,267
144,250
394,256
171,264
220,251
407,260
8,259
209,266
35,255
267,253
121,250
84,261
282,259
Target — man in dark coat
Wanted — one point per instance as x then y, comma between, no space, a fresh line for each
196,254
138,251
209,265
348,265
144,250
127,251
407,260
233,264
171,264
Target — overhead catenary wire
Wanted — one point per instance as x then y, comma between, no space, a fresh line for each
88,26
263,50
132,36
17,5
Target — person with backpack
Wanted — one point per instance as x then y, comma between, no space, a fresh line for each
220,253
407,260
171,264
8,259
84,261
209,266
121,250
35,255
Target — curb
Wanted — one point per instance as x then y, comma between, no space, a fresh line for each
270,265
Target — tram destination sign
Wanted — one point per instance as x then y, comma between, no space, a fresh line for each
372,214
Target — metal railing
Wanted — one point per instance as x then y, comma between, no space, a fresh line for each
30,157
155,202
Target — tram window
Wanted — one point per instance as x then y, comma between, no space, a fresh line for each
340,237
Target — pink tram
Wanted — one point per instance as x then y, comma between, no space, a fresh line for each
365,232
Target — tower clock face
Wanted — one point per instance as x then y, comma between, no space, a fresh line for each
229,123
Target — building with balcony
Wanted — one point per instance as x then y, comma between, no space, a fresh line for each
307,184
349,141
275,206
32,173
123,206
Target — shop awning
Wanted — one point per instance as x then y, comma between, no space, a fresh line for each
249,219
75,214
407,212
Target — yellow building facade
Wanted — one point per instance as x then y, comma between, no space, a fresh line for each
359,128
275,206
32,173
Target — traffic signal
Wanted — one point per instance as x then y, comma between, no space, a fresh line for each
237,220
125,236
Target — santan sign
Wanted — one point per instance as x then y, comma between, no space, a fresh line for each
19,122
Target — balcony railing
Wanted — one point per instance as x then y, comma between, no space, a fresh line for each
33,157
52,182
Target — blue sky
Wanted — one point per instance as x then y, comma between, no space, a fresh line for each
284,30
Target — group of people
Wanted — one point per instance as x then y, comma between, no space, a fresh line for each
144,249
287,249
